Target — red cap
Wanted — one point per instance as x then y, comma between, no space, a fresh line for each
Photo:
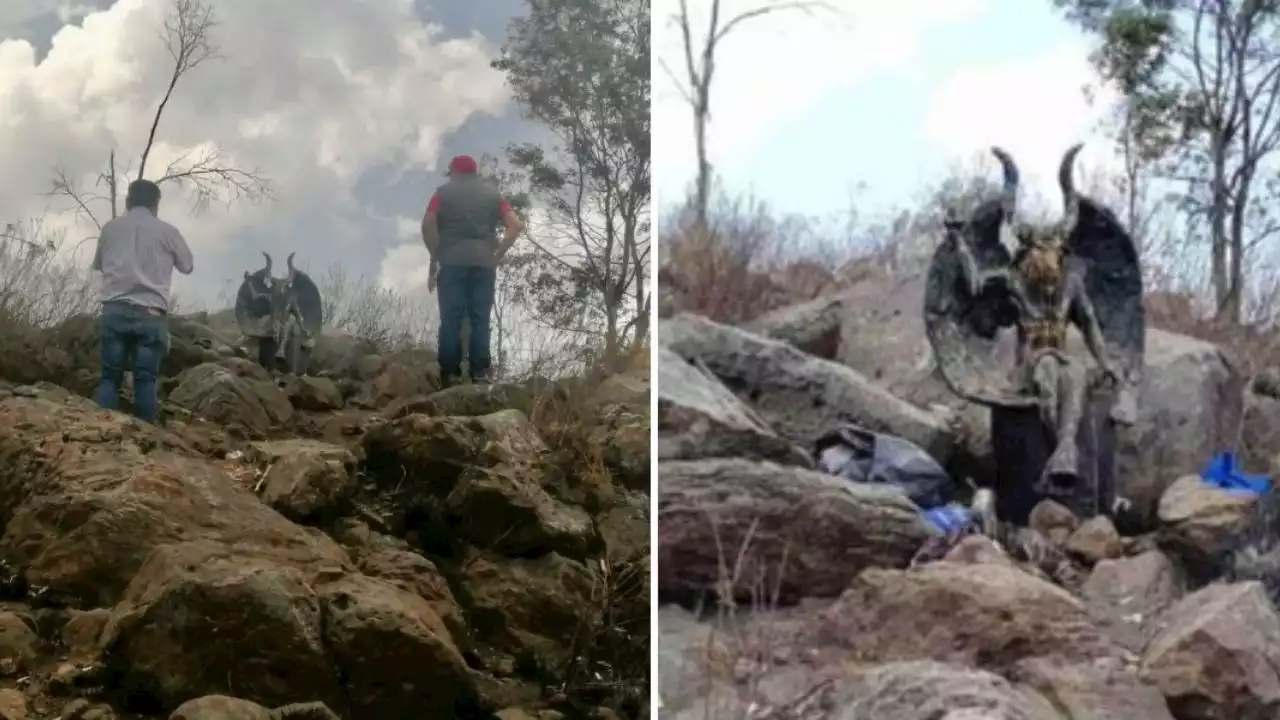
462,165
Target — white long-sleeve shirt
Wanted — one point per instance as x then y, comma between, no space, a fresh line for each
137,254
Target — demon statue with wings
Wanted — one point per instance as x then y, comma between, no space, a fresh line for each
284,315
1054,413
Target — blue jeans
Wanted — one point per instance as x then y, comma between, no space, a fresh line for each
130,330
467,292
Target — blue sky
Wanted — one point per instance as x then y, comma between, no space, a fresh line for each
890,97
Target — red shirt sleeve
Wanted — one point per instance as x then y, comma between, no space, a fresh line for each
434,205
504,207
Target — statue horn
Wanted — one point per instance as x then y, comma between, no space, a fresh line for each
1009,191
268,268
289,262
1070,198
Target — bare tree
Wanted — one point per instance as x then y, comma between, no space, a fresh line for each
583,70
699,69
1202,79
188,38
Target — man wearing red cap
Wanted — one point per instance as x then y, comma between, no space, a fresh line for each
460,230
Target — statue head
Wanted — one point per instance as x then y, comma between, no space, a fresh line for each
1041,249
280,295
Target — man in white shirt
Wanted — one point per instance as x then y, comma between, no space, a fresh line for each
137,254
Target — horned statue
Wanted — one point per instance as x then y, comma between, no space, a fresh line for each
284,315
1055,412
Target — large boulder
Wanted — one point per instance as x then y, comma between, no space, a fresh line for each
698,417
530,609
306,480
237,394
90,495
988,615
798,395
803,533
1217,656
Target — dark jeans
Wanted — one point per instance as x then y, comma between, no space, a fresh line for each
132,331
467,292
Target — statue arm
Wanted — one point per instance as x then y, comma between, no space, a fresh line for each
1087,320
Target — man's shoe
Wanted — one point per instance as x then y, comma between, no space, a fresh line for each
480,379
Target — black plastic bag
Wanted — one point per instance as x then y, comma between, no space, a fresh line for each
857,454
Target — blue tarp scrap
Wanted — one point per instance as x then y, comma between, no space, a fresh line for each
1224,473
949,519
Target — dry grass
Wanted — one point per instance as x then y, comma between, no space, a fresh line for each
611,645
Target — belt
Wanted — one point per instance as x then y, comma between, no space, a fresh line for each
153,311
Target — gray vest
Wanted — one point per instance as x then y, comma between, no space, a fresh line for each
468,218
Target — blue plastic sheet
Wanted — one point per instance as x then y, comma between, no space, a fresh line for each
948,519
1224,473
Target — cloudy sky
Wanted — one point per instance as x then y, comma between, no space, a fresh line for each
891,95
351,108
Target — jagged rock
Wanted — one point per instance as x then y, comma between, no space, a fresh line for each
927,690
476,400
985,615
623,389
414,573
532,607
400,379
1096,539
812,326
800,396
978,550
622,434
306,480
394,653
19,644
13,706
1126,595
826,528
505,509
1053,520
198,613
1217,656
220,707
625,531
698,417
1102,690
434,452
81,632
316,394
339,353
1201,524
238,395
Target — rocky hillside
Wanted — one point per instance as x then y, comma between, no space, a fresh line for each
792,594
357,544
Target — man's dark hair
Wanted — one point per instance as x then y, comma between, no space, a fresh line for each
142,193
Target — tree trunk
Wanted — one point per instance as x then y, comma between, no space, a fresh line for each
1218,225
702,192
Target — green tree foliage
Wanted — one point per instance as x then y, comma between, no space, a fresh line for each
581,68
1200,82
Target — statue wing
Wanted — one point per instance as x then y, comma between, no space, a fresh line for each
963,329
310,305
1112,276
253,304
